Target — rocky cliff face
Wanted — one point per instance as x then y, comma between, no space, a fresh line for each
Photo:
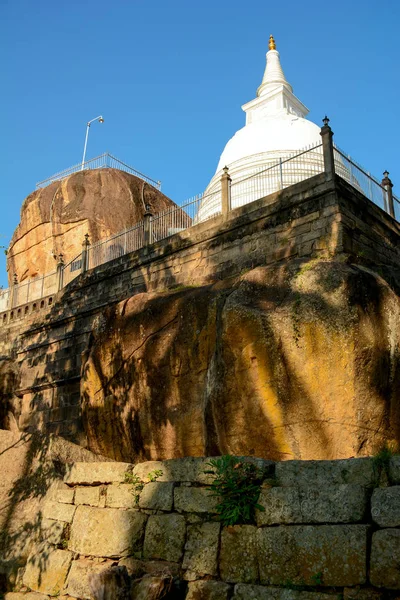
288,362
55,219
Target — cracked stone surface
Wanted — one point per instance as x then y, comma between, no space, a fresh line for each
311,504
299,552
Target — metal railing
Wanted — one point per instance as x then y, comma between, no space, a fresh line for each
282,174
257,184
103,161
71,270
158,227
117,245
34,289
174,220
396,208
359,178
4,299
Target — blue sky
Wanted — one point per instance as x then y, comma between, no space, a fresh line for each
170,76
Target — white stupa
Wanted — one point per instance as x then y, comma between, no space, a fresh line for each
275,129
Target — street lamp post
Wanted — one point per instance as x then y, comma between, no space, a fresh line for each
100,120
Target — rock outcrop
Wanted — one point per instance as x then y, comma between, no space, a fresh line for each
55,219
300,361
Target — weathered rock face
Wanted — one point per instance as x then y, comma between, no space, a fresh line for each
8,382
55,219
290,362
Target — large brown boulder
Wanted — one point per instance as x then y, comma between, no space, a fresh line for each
55,219
292,362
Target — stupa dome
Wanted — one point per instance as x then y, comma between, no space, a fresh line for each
276,128
275,134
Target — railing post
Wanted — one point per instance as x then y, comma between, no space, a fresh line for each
13,290
147,225
327,148
60,272
225,192
85,253
388,185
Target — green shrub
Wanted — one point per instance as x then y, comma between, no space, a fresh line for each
237,485
382,458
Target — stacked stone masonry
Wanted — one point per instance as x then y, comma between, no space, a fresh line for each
314,218
330,530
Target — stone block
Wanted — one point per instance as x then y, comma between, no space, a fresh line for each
52,531
327,504
81,473
165,537
394,469
385,506
58,511
190,469
174,470
78,583
152,588
106,532
157,496
208,590
65,495
47,572
357,471
194,499
121,495
301,552
385,559
111,583
258,592
87,495
136,568
201,548
238,554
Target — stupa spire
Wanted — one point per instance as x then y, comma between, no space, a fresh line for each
272,44
273,75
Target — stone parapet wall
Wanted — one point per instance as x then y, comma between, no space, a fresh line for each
330,530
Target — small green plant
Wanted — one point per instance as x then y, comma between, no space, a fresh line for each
381,459
237,486
154,475
138,484
317,578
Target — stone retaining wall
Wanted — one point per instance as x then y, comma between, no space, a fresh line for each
330,530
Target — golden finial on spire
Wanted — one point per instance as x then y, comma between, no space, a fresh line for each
272,45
